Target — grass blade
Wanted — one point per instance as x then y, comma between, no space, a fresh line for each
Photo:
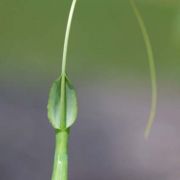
152,69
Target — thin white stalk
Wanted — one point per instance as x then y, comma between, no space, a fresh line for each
66,40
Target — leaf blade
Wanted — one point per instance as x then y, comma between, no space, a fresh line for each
54,105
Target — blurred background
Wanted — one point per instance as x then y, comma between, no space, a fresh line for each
108,65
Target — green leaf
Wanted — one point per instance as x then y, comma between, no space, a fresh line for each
62,113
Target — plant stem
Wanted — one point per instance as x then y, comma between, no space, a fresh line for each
60,169
152,69
66,40
63,103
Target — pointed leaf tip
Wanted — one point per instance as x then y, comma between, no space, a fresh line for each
55,105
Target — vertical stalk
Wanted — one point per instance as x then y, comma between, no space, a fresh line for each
60,168
66,40
150,55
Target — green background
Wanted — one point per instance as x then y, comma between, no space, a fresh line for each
105,39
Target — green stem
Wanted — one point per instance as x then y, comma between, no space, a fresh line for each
152,69
63,102
60,169
66,40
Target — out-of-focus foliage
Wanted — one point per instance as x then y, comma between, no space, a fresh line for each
103,32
